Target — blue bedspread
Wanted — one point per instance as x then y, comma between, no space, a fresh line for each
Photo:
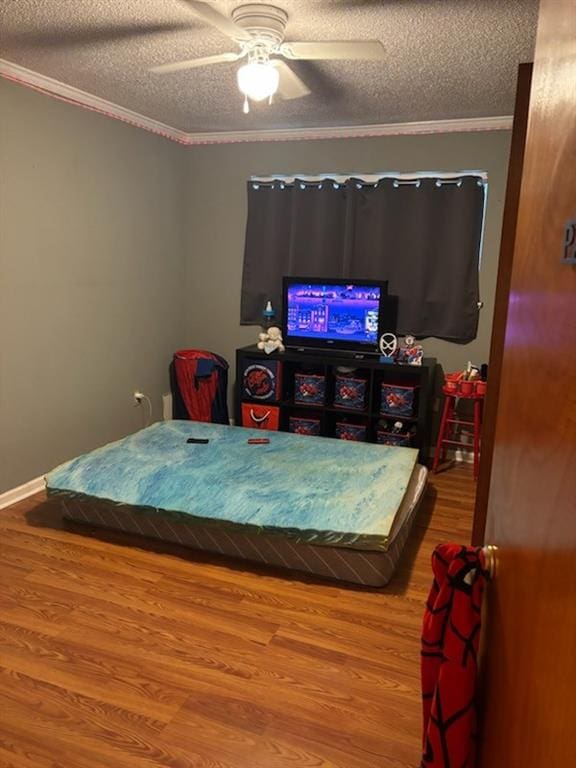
317,489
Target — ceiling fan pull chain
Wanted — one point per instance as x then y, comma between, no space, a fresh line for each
246,107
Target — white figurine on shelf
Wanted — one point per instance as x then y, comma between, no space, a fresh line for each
271,340
388,345
411,353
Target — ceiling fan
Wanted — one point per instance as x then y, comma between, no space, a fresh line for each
258,30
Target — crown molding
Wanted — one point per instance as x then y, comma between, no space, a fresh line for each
461,125
71,95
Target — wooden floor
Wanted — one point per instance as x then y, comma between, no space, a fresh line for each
113,656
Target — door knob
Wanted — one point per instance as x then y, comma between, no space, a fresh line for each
490,551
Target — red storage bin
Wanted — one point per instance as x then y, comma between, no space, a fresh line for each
260,416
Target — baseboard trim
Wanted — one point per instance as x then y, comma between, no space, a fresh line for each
167,407
461,457
458,455
22,492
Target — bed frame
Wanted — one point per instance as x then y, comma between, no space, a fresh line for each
365,567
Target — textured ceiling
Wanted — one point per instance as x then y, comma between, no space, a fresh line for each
445,59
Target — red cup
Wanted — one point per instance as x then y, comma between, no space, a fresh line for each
466,387
480,388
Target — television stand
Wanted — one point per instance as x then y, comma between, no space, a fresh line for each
325,363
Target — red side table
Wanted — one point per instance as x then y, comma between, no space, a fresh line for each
450,427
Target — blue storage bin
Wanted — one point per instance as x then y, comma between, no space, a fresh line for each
397,400
354,432
304,426
393,438
309,389
261,379
350,392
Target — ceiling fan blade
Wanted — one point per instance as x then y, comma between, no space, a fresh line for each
178,66
290,85
224,24
345,49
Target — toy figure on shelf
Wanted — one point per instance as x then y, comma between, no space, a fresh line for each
388,346
410,353
271,340
268,316
394,433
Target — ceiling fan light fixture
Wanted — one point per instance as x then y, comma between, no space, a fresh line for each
258,80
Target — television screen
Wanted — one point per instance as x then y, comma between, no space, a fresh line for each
346,315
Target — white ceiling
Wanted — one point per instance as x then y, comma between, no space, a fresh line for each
446,59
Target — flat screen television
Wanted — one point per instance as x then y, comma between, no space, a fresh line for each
346,315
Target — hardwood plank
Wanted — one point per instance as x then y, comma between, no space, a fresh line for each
133,654
17,752
210,621
77,744
39,550
42,697
114,678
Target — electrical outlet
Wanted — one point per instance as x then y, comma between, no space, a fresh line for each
138,397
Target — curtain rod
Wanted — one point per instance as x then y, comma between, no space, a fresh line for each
370,178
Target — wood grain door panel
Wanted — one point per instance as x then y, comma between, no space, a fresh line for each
529,665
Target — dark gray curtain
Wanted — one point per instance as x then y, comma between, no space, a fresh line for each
422,236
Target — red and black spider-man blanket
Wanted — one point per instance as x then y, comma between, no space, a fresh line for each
450,638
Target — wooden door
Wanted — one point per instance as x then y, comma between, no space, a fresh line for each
529,664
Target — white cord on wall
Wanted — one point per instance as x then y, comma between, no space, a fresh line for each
138,397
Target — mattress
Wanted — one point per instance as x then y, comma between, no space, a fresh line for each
324,506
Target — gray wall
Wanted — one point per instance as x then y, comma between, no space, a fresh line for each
117,247
217,217
91,278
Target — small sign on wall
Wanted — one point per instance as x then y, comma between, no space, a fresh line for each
569,252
